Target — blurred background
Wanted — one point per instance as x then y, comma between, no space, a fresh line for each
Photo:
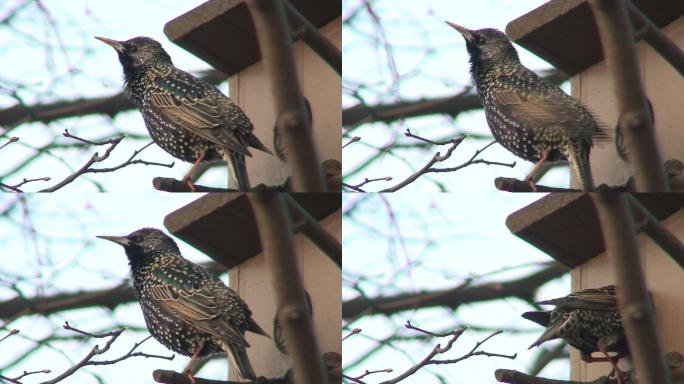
402,252
53,67
400,61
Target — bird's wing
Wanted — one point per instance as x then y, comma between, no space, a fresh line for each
193,303
542,318
544,110
194,106
603,298
551,332
550,109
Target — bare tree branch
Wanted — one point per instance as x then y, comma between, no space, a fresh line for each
428,167
617,40
96,158
635,308
656,231
431,359
523,288
10,141
309,226
657,39
464,101
295,321
276,51
311,36
107,105
515,377
96,350
108,298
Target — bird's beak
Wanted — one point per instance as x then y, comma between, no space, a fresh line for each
112,43
462,30
121,240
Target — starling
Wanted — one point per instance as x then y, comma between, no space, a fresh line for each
588,320
187,309
528,115
187,117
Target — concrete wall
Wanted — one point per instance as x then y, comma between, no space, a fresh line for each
321,86
664,87
665,280
322,278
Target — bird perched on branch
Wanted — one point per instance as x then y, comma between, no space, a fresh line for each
588,320
528,115
187,117
187,309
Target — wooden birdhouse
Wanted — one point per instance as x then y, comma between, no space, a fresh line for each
221,32
566,227
222,225
564,33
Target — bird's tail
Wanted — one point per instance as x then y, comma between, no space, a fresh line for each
238,170
579,163
239,359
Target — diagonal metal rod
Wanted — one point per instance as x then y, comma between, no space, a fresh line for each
307,224
656,38
302,28
656,231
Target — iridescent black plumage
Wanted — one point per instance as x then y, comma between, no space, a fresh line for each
529,116
585,320
185,307
187,117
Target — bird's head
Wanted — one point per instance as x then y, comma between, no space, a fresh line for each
145,244
486,47
138,52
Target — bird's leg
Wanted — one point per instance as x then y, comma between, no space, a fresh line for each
188,176
188,368
530,176
601,344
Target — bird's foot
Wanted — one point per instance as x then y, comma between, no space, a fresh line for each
532,184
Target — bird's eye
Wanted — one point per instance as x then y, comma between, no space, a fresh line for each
479,39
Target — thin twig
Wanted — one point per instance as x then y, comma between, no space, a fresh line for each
353,332
17,379
10,141
437,158
96,158
96,350
353,140
439,350
12,332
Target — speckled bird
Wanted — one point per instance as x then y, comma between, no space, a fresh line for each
186,308
186,116
583,319
528,115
